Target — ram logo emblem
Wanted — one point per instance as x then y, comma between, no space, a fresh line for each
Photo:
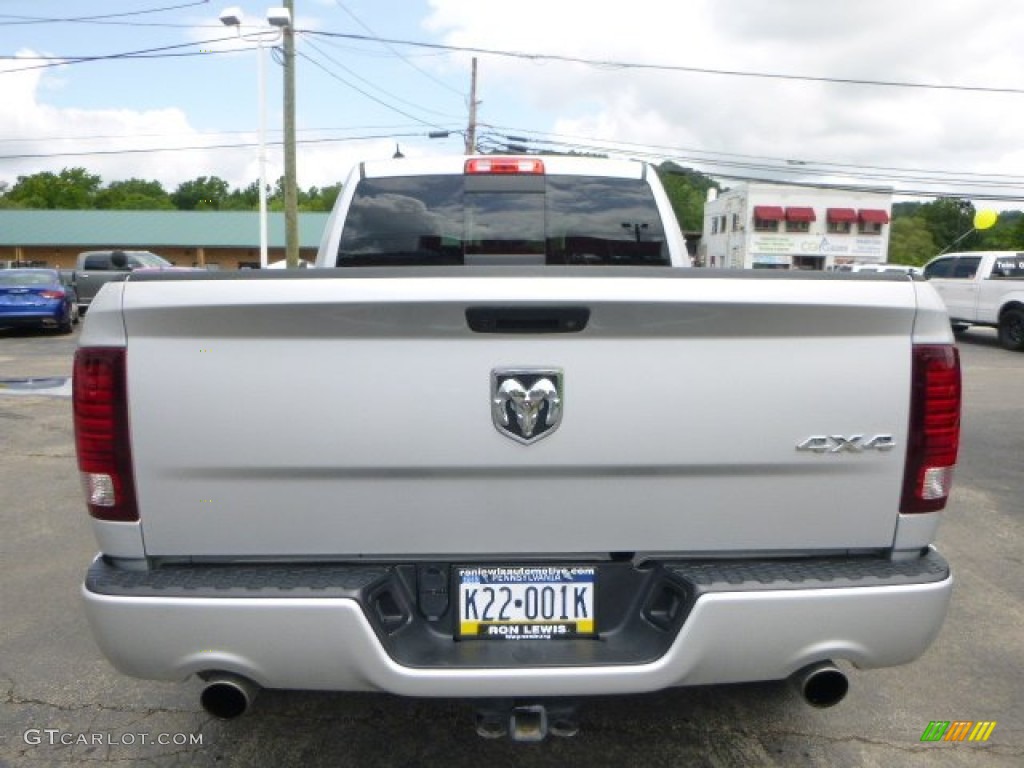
526,403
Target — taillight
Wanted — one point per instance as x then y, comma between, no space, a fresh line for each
934,437
52,294
504,165
100,405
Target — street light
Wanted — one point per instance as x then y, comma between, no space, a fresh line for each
278,17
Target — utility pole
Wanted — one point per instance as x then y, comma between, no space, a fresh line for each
471,130
291,202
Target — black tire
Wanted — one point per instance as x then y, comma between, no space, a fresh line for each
1011,329
959,328
68,323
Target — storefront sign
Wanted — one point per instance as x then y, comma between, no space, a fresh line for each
864,248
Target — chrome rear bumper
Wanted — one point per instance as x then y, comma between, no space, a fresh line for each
748,631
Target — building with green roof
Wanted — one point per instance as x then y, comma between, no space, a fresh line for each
220,239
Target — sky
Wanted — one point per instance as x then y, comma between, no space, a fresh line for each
924,98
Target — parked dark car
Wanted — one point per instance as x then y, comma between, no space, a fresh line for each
36,298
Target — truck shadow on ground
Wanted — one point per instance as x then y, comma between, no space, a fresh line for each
720,725
12,332
979,337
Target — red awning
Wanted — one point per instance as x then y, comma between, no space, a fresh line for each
795,213
769,213
841,214
873,216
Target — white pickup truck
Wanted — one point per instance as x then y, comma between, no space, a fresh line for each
982,288
502,445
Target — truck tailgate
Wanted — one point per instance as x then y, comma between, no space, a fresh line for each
352,416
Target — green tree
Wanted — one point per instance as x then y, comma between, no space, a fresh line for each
134,195
910,241
205,193
322,199
687,190
72,188
1006,235
905,209
245,199
1018,233
313,200
949,219
275,198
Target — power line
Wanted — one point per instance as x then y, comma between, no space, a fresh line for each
23,20
143,53
36,139
358,49
197,148
523,55
646,152
560,139
963,193
370,96
699,155
397,53
142,24
56,61
661,67
753,162
968,186
539,57
372,85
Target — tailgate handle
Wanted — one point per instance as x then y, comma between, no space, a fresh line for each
527,319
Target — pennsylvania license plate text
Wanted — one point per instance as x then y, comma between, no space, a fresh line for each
526,602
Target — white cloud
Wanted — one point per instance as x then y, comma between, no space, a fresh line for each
943,42
49,137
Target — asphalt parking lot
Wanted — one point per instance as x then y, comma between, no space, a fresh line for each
62,703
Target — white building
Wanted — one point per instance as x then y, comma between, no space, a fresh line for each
777,226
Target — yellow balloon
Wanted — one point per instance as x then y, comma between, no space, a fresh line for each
985,219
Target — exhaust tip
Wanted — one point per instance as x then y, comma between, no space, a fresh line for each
228,696
822,685
489,726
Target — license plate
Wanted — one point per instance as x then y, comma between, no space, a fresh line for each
526,602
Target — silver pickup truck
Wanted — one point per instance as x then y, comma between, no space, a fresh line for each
502,445
94,269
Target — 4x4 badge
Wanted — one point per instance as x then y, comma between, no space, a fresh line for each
843,444
526,403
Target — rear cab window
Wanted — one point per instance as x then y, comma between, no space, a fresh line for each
502,219
97,262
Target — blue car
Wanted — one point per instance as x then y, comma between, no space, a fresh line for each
36,298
